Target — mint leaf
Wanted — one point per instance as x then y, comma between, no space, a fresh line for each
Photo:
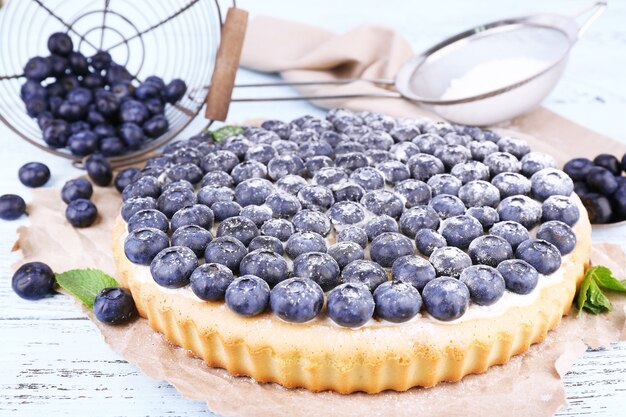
226,132
590,296
85,284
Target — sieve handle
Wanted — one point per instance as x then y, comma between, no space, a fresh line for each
596,11
226,64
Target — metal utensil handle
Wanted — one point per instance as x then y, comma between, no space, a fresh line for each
376,81
597,8
226,64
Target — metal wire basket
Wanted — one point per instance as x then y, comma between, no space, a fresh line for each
168,38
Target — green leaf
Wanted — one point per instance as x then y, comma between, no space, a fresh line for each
226,132
590,297
85,284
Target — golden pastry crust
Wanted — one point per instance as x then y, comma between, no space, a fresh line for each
322,356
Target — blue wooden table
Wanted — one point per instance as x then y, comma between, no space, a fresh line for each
53,360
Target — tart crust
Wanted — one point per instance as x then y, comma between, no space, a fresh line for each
380,356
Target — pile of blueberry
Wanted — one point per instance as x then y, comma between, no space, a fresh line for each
601,186
90,105
287,216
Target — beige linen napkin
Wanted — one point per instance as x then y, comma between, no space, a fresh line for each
300,52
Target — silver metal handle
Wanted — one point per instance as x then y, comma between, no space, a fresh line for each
597,9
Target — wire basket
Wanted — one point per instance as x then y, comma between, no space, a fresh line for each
168,38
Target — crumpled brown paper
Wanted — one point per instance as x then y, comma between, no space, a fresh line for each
529,385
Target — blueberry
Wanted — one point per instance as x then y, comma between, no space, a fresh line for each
350,304
521,209
480,150
514,146
81,213
211,194
258,214
283,165
460,231
499,162
268,243
188,172
598,208
173,200
311,149
414,192
319,267
404,133
219,161
237,144
347,191
550,181
449,261
379,225
452,155
619,202
536,161
623,162
560,208
158,81
490,250
253,191
486,285
559,234
262,153
79,126
394,171
80,96
578,168
106,102
311,221
330,176
365,272
447,205
388,247
304,242
104,130
519,276
155,106
101,60
125,177
397,301
350,160
83,143
423,166
429,142
369,178
196,214
70,112
417,218
36,106
55,134
350,147
281,128
33,280
316,197
283,205
114,305
332,138
510,184
479,193
487,216
297,300
34,174
377,139
146,186
93,81
542,255
147,91
99,170
156,126
609,162
378,156
346,252
446,298
32,89
209,281
427,240
78,63
346,213
281,229
217,179
601,180
174,91
470,171
291,184
142,245
37,69
133,205
117,73
60,43
194,237
317,163
247,295
227,251
413,270
353,234
511,231
267,265
382,202
240,228
148,218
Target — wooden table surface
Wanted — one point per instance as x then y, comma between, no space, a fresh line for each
53,360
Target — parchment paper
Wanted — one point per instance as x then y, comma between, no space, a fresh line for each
529,385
